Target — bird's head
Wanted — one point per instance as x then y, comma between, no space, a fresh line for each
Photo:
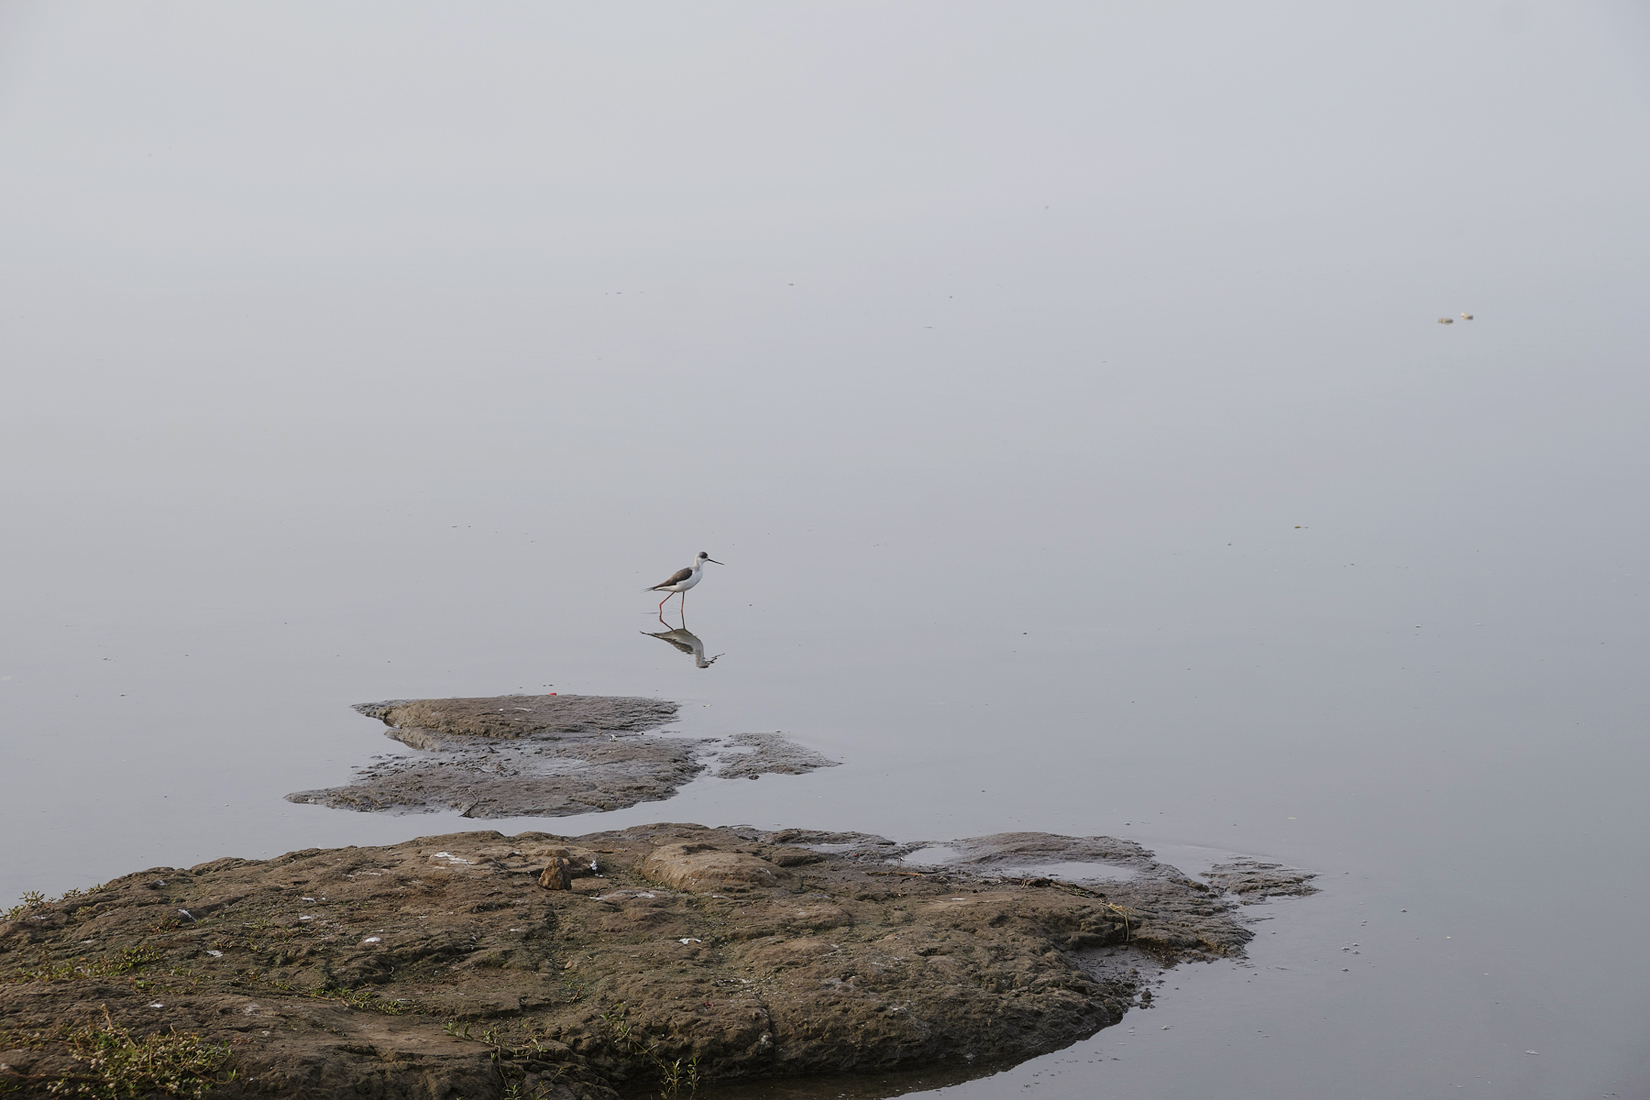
704,557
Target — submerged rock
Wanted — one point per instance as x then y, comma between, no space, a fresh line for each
546,756
680,955
770,754
1254,880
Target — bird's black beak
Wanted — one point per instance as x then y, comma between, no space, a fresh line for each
713,561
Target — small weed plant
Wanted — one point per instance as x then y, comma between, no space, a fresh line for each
114,1064
129,960
678,1077
32,900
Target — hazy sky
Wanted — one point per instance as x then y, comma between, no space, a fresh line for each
302,214
310,133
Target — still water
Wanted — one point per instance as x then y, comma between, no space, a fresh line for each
1094,513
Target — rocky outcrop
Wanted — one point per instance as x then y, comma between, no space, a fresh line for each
509,717
546,756
656,957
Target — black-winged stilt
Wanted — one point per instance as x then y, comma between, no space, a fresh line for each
680,581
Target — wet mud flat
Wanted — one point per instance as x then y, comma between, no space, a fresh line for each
547,756
667,959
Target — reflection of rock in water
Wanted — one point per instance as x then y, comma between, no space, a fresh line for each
745,954
542,756
688,642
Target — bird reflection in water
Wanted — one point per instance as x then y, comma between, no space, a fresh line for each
688,642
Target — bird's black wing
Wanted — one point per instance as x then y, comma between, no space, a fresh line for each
675,578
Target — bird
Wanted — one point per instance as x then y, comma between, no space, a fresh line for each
680,581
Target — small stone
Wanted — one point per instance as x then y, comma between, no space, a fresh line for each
558,874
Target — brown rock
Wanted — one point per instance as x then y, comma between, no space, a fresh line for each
544,756
703,868
557,874
440,967
513,716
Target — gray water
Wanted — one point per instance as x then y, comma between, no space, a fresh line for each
1061,385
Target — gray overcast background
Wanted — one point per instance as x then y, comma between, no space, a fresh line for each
1061,384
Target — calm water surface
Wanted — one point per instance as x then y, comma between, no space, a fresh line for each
1051,497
